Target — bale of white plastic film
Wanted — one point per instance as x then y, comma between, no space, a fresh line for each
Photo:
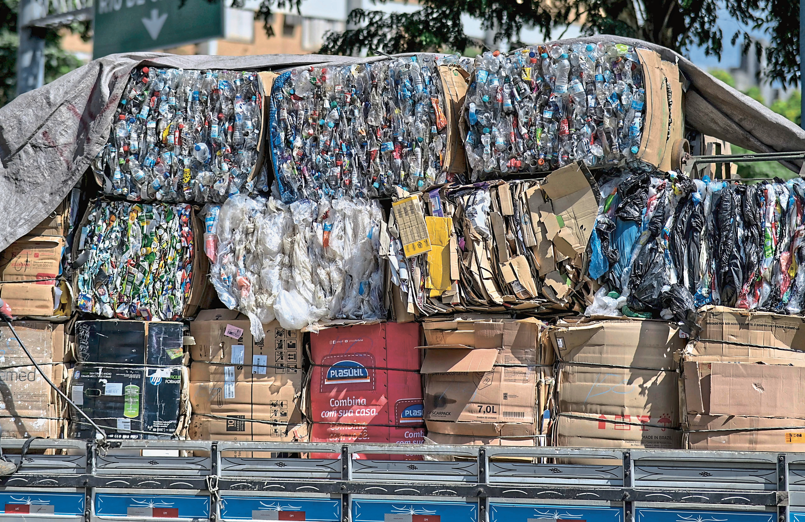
300,264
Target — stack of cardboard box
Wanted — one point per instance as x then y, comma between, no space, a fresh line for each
29,407
487,381
743,382
30,268
617,384
242,389
365,386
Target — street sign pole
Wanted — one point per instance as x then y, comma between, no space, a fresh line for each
143,25
31,50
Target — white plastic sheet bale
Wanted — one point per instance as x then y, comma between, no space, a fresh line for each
301,263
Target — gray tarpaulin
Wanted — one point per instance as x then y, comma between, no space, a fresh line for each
49,136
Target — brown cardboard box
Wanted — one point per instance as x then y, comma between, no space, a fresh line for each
619,392
273,400
517,342
32,258
224,337
751,390
477,434
625,343
500,394
732,335
735,433
29,407
617,384
599,431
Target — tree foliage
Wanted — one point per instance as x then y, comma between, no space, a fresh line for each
57,61
676,24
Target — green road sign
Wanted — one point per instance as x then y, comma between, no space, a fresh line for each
141,25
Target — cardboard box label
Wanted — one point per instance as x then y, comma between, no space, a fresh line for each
795,438
412,227
113,389
233,331
238,354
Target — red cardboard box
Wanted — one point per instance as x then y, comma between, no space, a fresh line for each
367,375
345,433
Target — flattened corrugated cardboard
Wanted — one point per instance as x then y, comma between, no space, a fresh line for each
477,433
757,390
662,125
29,405
274,401
214,333
615,379
505,394
732,335
619,392
458,359
455,81
745,434
516,340
593,431
574,209
633,343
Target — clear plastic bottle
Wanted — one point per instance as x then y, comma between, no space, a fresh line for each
201,153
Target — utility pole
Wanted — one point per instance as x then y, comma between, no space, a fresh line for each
31,52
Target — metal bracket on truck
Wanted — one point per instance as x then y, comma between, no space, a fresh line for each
223,481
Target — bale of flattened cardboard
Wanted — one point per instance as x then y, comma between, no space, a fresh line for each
492,247
29,406
242,389
617,384
742,382
487,381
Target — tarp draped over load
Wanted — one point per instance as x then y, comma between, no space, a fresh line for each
49,136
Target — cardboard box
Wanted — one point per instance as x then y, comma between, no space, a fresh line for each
751,390
128,402
619,392
224,337
32,258
478,434
617,384
129,342
29,407
233,403
499,394
366,374
240,427
517,341
733,335
604,431
347,434
625,343
736,433
217,392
